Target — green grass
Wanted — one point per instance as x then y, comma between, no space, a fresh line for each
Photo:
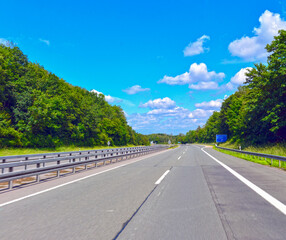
251,158
275,149
173,147
25,151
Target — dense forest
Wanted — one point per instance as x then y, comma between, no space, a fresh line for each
38,109
256,113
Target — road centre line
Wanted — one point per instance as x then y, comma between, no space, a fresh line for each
179,157
162,177
273,201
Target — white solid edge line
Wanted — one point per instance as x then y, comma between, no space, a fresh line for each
64,184
162,177
276,203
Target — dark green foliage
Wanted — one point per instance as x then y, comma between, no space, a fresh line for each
38,109
256,113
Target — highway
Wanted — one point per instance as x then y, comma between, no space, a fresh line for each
183,193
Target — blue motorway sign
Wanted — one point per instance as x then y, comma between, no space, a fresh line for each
221,138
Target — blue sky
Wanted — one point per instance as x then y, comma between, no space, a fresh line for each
168,64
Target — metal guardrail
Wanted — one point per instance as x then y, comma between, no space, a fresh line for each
4,159
269,156
34,165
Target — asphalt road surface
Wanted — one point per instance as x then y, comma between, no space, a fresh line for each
184,193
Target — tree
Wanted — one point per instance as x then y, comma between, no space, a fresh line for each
268,89
38,109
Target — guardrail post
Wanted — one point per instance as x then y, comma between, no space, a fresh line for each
279,163
10,184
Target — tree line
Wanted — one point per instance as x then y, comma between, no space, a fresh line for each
256,112
38,109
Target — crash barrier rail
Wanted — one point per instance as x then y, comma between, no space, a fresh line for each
34,165
269,156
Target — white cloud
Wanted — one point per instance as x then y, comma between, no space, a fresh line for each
4,41
44,41
178,80
165,116
135,89
213,104
114,100
201,114
97,92
111,99
238,79
174,121
177,111
159,103
108,98
195,48
253,48
204,86
197,73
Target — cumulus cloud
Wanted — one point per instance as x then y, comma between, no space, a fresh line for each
108,98
204,86
176,111
159,103
97,92
165,116
253,48
174,121
47,42
135,89
195,48
211,105
200,114
111,99
238,79
198,73
114,100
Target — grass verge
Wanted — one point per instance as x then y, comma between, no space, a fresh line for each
275,149
256,159
173,147
25,151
